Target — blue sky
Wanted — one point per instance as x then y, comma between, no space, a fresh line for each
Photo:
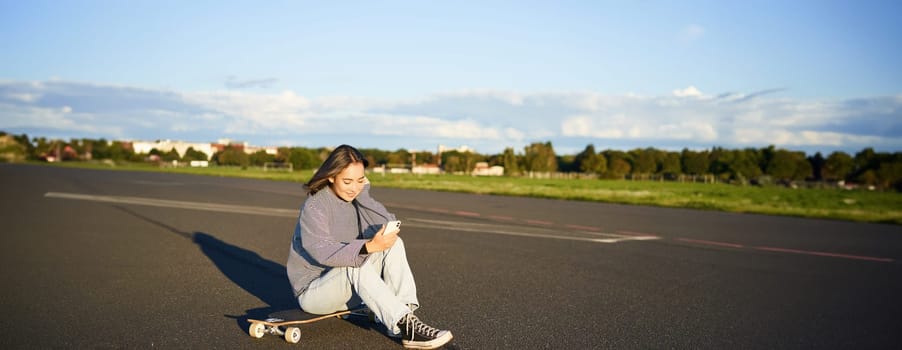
804,75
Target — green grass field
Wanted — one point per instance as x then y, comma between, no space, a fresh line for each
858,205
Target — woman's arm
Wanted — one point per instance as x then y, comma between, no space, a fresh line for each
318,238
379,242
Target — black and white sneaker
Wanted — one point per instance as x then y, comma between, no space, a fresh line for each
417,335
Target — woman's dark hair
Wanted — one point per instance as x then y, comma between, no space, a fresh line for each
337,161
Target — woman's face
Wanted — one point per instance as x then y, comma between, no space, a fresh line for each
349,182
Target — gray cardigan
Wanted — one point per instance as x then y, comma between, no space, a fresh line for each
331,233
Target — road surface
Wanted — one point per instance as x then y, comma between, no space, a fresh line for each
117,259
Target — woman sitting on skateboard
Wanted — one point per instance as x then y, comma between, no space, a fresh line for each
339,255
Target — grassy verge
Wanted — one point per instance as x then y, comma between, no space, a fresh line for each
863,206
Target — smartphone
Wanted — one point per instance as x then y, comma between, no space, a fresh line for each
392,227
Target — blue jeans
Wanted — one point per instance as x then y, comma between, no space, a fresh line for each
384,283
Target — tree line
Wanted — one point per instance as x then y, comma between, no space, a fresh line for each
867,167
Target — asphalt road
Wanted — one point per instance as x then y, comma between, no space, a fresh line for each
114,259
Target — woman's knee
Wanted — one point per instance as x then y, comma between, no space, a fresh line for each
327,294
321,306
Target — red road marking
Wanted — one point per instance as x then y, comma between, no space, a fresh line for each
580,227
638,234
539,222
832,255
722,244
789,251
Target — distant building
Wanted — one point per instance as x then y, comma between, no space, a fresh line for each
169,145
428,169
60,153
483,169
221,144
208,148
461,149
255,149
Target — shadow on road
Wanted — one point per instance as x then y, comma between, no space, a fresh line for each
264,279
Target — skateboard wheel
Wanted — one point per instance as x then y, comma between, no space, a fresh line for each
256,330
293,335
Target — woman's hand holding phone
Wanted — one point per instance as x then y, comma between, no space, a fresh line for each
385,238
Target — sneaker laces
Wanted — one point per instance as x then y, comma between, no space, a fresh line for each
414,325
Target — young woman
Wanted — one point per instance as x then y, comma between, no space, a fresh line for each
341,255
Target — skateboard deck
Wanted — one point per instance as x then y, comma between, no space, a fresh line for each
285,323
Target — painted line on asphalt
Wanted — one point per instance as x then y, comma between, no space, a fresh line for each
166,203
292,213
832,255
633,233
539,222
788,250
720,244
512,231
620,236
636,236
581,227
533,222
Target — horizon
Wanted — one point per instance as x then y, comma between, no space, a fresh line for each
454,148
811,76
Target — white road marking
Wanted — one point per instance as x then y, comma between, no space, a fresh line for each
166,203
510,230
497,229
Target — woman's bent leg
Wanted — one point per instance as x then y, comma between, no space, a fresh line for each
396,273
379,297
384,282
329,293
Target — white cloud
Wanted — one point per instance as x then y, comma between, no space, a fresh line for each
635,132
788,138
24,97
577,126
820,138
512,98
489,120
514,134
690,91
620,126
466,129
425,127
587,126
59,119
688,130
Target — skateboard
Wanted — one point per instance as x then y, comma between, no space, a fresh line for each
284,323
